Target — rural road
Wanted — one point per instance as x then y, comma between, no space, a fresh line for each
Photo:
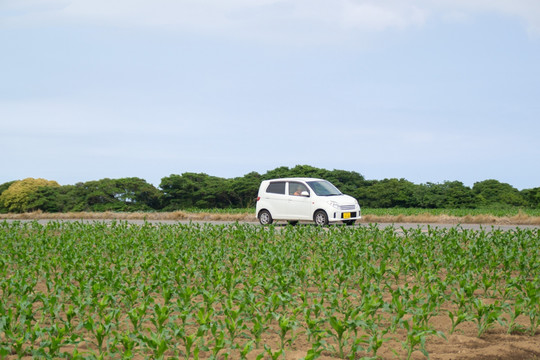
487,227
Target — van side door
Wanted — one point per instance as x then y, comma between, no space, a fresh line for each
299,204
276,199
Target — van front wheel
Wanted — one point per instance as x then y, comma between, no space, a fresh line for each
265,218
320,218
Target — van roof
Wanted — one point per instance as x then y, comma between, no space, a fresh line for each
296,179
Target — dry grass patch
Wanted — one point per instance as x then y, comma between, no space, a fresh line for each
110,215
425,218
519,219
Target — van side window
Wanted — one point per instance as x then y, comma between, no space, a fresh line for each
296,188
277,187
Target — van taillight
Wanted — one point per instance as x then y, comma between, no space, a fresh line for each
258,198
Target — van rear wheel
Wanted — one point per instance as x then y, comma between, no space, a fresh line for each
265,218
320,218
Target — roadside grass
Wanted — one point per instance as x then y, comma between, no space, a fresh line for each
493,211
517,216
512,216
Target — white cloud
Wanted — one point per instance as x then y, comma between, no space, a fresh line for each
380,16
528,11
260,17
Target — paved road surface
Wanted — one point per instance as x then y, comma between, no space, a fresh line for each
487,227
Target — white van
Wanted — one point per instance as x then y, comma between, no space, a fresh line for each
304,199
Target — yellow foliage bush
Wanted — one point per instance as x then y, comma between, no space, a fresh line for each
16,198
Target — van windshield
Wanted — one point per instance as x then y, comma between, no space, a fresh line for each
323,188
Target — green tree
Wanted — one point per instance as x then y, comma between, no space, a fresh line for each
138,194
20,194
450,194
280,172
3,188
196,190
72,198
532,196
492,192
100,195
388,193
126,194
45,198
245,189
349,182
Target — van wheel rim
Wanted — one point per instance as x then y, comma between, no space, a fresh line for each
320,219
265,218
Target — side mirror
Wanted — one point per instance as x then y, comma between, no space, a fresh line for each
304,193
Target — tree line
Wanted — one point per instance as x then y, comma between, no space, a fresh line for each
202,191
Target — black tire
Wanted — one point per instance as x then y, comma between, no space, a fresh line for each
320,218
349,222
265,218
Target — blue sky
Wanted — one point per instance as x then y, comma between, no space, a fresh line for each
423,90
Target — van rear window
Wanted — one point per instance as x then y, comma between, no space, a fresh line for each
277,187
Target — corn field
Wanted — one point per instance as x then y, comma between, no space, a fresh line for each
116,290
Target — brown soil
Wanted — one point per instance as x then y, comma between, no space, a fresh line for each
463,344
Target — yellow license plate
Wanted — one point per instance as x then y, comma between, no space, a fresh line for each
346,215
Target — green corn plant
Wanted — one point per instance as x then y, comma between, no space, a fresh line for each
312,325
489,280
209,299
234,324
417,333
189,344
259,326
485,315
514,311
425,311
274,355
339,328
157,343
345,329
376,335
463,313
136,316
160,316
318,307
71,313
18,344
286,325
398,307
100,330
204,317
128,341
532,300
33,334
457,317
246,349
55,339
219,344
5,350
315,351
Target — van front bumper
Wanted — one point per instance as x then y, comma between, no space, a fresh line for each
344,216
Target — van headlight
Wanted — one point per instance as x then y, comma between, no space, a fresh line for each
334,204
